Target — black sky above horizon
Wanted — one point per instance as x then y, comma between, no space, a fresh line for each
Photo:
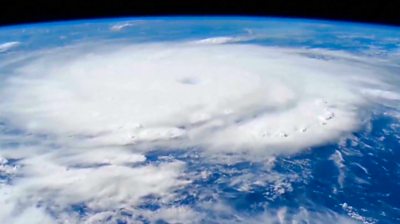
380,12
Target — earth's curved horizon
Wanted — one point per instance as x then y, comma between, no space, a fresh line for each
200,120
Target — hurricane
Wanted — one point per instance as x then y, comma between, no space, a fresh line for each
251,124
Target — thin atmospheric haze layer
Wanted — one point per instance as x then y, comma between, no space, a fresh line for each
199,120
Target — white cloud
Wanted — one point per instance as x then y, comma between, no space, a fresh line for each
11,213
181,214
8,45
281,215
111,156
124,25
100,187
54,181
224,39
381,94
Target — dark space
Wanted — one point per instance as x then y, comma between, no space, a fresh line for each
378,11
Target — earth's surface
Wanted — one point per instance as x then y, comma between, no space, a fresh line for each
199,120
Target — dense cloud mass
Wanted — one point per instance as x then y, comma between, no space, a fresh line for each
224,97
85,116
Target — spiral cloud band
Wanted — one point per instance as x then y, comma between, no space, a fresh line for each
225,97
